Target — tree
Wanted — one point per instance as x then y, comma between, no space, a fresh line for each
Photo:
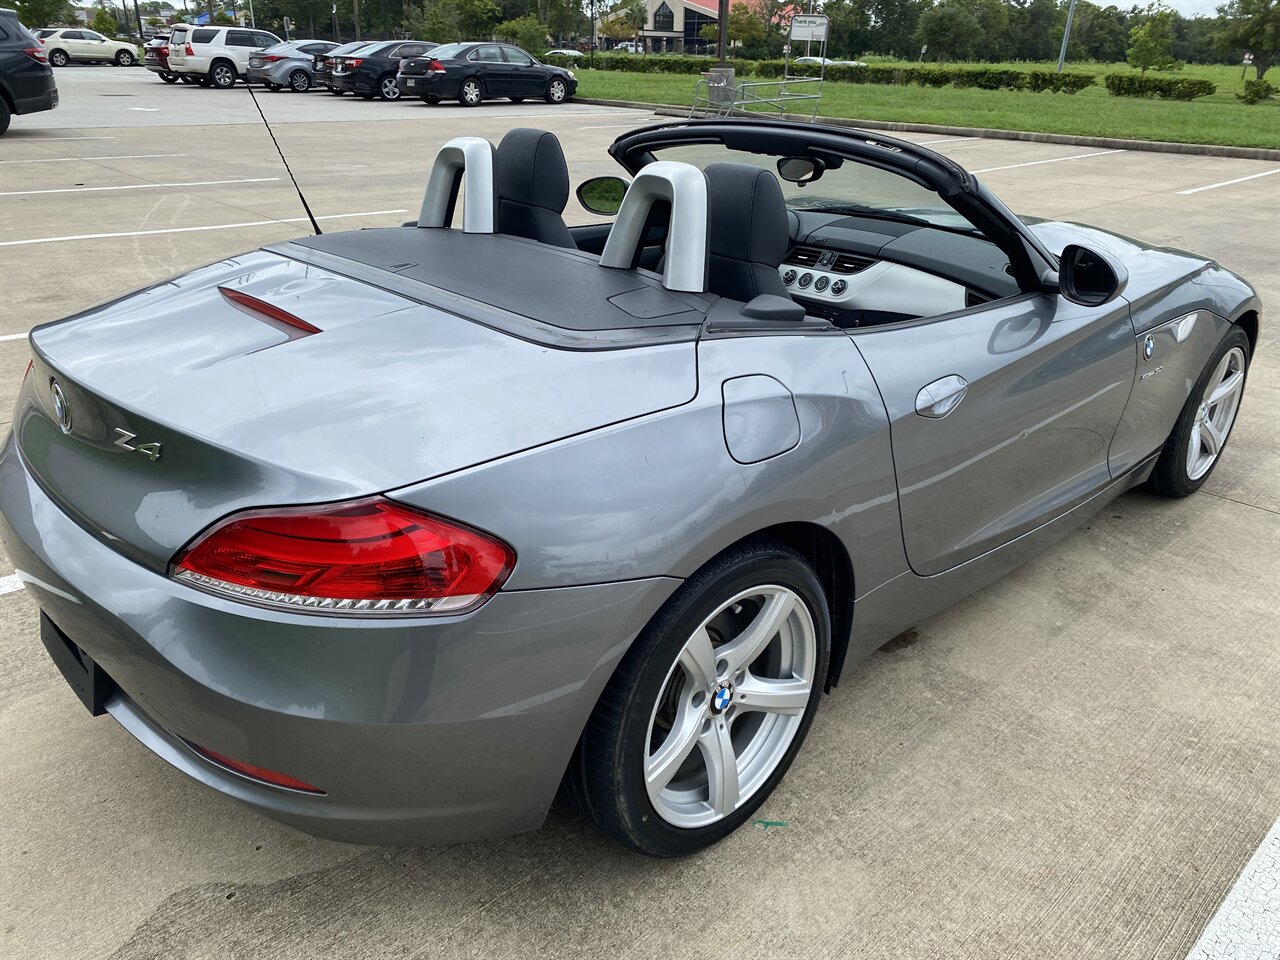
895,26
1151,42
850,30
524,32
1252,26
104,21
1034,30
950,30
744,26
45,13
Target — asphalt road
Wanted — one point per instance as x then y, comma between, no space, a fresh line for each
1075,762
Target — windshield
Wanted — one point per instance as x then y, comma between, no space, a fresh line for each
849,187
349,48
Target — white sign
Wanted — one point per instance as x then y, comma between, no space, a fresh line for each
809,27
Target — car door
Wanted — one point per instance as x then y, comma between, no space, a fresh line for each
493,69
1001,417
74,43
240,45
527,78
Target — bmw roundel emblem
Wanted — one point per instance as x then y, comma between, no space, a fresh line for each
1148,347
61,409
721,699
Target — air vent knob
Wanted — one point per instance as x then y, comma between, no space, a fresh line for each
805,280
789,277
822,284
839,287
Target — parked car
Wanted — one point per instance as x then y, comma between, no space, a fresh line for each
564,52
685,502
64,45
215,56
155,57
371,72
288,64
474,72
26,80
322,66
628,46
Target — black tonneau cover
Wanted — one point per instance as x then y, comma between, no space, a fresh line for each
551,285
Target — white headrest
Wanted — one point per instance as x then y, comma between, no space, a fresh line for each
685,188
469,159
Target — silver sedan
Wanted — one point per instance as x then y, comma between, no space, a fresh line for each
288,64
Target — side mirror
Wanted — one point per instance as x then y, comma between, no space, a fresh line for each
602,195
1089,278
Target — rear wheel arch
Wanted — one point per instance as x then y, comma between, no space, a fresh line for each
1250,323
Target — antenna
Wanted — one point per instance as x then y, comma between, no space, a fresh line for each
305,206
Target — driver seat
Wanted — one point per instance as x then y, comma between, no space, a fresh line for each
531,181
747,232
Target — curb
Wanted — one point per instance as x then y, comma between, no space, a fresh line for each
1107,143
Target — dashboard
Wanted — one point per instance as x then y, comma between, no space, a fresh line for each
861,271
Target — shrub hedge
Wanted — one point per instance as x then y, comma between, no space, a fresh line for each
1162,88
985,78
1255,91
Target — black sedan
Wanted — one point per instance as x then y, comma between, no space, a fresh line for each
472,72
26,80
371,71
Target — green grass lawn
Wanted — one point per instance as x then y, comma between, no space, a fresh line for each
1218,119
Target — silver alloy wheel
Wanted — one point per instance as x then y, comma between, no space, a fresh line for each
299,81
59,59
389,89
223,76
471,92
1217,414
557,91
737,692
124,58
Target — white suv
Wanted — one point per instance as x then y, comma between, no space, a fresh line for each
64,45
217,55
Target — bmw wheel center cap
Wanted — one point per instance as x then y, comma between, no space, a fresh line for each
722,697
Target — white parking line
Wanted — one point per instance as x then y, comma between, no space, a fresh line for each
12,336
1247,923
926,143
1036,163
213,226
127,156
1227,183
138,186
48,139
9,584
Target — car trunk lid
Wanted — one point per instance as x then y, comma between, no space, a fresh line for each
179,406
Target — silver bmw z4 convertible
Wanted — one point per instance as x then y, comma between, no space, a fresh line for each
393,534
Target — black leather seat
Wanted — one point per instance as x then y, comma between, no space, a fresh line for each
747,231
532,184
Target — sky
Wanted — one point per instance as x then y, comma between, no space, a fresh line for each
1193,8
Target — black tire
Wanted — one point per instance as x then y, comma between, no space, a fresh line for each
169,77
557,91
125,59
222,75
1171,477
388,89
4,116
59,58
336,92
471,93
606,777
299,81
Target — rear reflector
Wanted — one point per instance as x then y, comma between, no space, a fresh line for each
261,774
363,558
264,309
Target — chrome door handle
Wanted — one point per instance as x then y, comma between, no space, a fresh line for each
939,398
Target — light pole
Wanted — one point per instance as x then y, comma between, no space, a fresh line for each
722,32
1066,35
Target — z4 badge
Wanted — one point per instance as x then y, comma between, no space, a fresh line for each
125,442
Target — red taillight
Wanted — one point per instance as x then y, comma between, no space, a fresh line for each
271,58
352,64
435,66
164,51
273,777
190,52
263,309
37,54
371,557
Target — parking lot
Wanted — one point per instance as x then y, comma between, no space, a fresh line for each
1076,762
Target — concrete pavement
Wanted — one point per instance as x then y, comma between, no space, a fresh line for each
1075,762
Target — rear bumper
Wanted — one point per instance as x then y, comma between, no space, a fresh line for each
428,84
36,95
353,83
273,73
419,730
